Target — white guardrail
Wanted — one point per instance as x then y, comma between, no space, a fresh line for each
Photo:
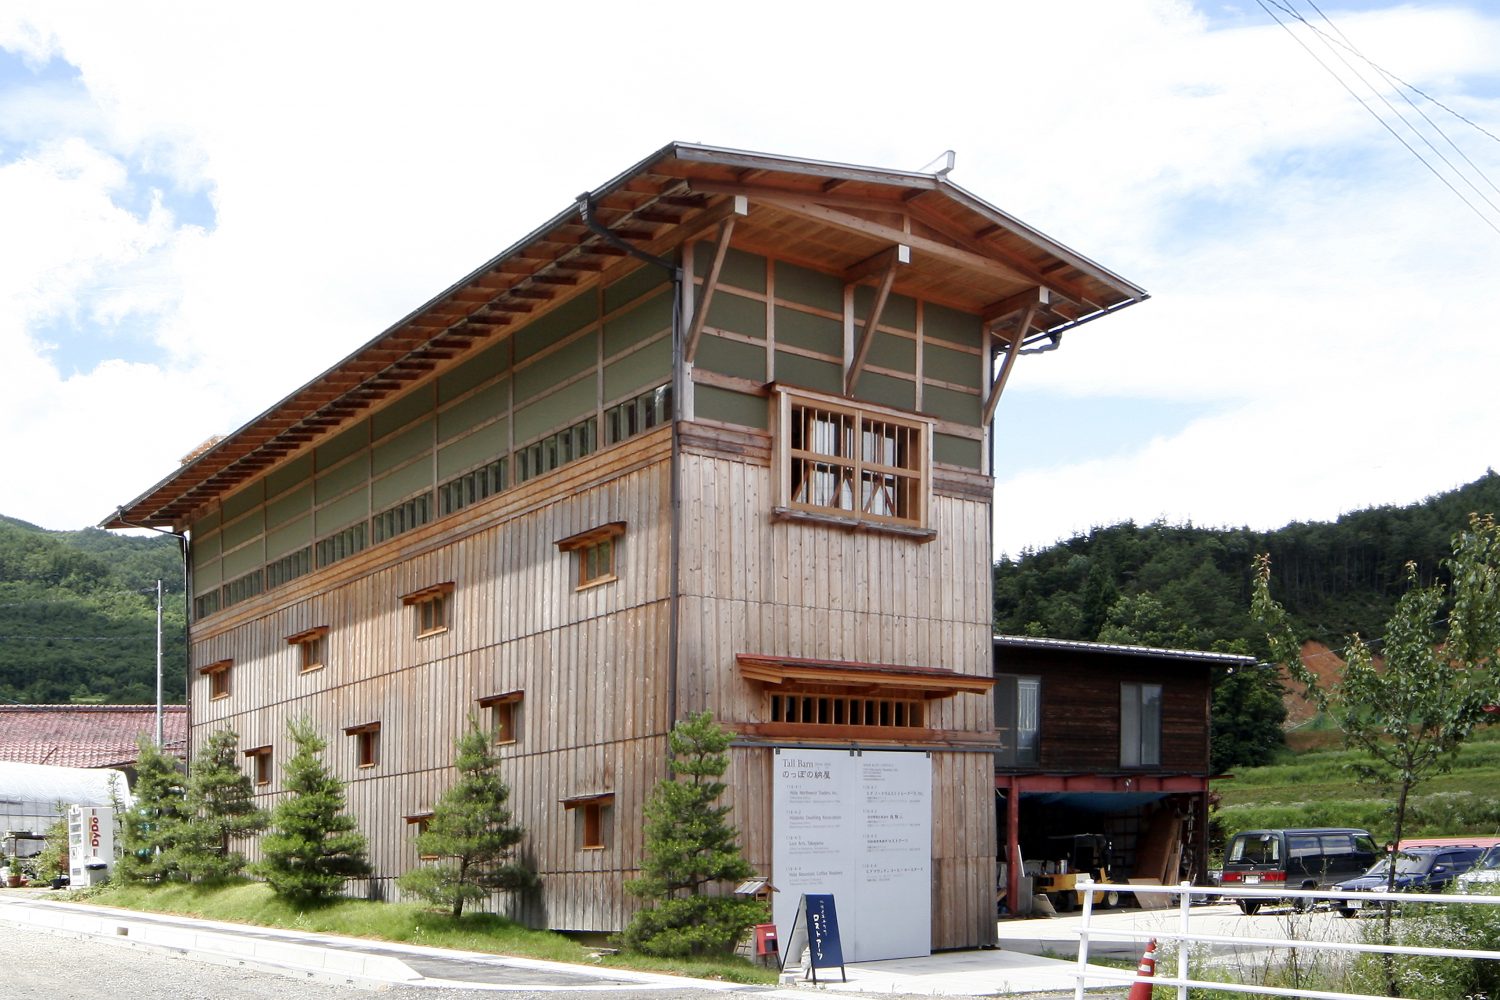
1185,893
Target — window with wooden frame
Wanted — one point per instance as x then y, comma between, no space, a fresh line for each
596,552
835,699
218,678
1140,725
416,825
1018,718
505,715
312,648
366,743
430,607
852,462
260,764
591,816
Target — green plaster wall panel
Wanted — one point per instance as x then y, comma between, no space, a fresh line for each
645,321
811,288
484,445
712,403
486,404
242,561
570,317
579,356
731,357
946,404
482,367
298,470
208,522
887,391
950,366
900,310
244,529
942,323
252,496
414,441
795,328
404,411
633,286
891,351
342,513
294,503
650,366
737,313
741,269
344,445
206,577
564,407
294,535
400,484
952,450
809,373
335,481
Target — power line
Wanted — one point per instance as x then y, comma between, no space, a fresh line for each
1266,5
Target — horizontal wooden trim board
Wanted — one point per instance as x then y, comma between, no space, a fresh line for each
931,681
308,635
601,798
592,536
426,593
508,698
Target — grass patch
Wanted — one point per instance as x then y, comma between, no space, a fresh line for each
409,923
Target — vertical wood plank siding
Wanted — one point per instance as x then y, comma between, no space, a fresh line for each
751,584
590,663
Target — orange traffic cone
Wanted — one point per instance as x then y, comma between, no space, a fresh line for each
1146,970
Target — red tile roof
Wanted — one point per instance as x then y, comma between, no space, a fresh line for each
86,735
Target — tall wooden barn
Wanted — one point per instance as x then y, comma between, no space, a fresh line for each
715,437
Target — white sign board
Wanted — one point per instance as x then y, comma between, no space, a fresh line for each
857,825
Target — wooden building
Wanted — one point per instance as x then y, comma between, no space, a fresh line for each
715,437
1107,740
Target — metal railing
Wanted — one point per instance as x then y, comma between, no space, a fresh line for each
1186,938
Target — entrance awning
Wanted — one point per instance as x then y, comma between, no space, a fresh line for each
856,677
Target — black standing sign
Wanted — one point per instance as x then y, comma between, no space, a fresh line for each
815,929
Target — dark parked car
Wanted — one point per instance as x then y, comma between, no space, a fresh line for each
1314,858
1418,869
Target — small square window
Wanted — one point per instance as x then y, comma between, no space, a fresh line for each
505,715
218,678
591,825
596,551
430,606
260,762
312,648
366,743
417,824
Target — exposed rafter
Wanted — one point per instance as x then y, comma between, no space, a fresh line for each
883,264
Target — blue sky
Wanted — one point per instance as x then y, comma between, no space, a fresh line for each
190,237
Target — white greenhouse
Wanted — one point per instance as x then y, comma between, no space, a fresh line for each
33,796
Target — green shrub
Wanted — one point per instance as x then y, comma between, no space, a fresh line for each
692,925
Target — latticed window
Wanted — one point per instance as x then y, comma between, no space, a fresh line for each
403,517
809,709
853,461
343,544
289,567
472,487
244,588
558,449
636,416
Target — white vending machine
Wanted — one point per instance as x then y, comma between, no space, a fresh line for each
91,844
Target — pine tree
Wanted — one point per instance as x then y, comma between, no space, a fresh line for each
150,830
220,806
470,830
690,847
314,846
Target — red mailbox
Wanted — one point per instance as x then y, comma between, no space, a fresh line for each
765,939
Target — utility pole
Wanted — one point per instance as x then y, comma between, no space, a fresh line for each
158,665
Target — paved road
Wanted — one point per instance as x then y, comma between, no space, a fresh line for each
45,966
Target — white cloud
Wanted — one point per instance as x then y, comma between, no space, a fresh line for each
361,158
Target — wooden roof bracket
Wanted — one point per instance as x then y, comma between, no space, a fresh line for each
711,280
1028,303
884,263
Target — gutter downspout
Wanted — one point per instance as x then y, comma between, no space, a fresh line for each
586,210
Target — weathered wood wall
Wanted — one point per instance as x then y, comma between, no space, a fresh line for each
591,664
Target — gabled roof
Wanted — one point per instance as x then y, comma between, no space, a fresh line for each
834,217
86,735
1115,649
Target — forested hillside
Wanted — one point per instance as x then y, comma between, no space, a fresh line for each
1189,588
78,616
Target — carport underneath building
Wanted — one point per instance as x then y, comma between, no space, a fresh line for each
1150,827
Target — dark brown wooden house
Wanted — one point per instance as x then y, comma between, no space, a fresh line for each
715,437
1108,740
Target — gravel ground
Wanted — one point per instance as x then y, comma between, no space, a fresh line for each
44,966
